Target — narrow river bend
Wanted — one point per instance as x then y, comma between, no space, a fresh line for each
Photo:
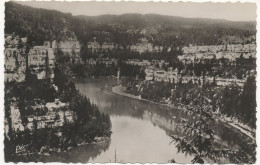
140,130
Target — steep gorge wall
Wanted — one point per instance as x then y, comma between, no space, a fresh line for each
67,43
39,61
15,64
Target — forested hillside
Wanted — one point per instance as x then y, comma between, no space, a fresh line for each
37,24
143,20
42,24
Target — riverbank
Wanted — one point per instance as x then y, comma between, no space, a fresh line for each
46,152
120,90
56,132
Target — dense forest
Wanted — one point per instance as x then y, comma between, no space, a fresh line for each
42,24
229,100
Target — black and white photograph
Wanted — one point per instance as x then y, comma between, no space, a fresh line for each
130,82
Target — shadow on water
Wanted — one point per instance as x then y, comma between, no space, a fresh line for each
99,92
81,154
140,129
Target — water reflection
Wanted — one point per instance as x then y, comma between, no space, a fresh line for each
140,129
80,154
99,92
137,140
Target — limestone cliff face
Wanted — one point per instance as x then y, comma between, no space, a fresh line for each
69,44
41,62
15,64
15,58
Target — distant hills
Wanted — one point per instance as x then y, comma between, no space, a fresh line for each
43,24
142,20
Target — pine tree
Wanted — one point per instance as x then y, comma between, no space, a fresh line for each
200,139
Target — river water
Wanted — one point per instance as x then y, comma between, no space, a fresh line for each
140,130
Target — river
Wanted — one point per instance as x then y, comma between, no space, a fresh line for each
140,130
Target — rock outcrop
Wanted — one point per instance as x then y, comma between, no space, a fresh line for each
15,64
68,44
41,62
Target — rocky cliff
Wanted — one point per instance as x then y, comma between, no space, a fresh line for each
15,64
41,62
21,60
